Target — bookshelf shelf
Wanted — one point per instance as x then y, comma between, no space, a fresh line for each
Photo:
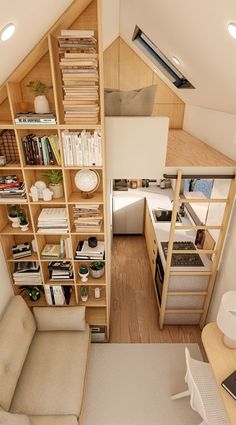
45,66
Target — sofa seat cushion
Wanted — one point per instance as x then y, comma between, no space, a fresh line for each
52,379
53,420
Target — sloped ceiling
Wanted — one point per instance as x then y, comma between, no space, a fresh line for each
195,31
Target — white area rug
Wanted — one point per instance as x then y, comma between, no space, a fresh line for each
131,384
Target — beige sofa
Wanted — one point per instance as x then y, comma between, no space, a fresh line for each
43,360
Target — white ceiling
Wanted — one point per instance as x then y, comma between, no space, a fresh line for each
195,31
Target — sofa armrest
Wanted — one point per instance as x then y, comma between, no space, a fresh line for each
60,318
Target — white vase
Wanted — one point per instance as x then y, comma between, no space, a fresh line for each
15,221
41,105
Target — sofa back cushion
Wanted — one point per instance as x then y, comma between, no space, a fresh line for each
60,319
17,329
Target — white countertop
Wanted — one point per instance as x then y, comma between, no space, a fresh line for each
157,198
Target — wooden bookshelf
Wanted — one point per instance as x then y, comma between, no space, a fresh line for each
43,64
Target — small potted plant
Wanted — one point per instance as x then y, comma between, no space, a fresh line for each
97,269
55,180
13,215
83,272
84,294
33,292
24,224
41,105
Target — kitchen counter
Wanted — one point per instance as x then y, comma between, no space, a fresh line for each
157,198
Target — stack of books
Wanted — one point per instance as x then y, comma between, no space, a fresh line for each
60,270
21,250
27,273
33,118
82,149
53,220
12,189
57,294
56,251
87,218
84,252
79,67
41,150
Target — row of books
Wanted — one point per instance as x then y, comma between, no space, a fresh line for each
56,251
82,149
85,252
87,218
12,189
27,273
60,270
41,150
57,294
79,68
53,220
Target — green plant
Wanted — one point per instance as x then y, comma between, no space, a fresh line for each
97,265
14,211
83,269
38,87
83,291
33,292
53,176
22,217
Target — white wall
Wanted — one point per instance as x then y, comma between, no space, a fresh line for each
5,286
218,129
110,21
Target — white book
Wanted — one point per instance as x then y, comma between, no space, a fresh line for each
59,296
48,295
80,33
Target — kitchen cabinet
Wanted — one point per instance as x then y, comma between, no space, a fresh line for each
151,241
128,214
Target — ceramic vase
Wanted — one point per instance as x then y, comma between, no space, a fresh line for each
41,105
57,190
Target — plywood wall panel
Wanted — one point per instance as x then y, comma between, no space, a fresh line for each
111,66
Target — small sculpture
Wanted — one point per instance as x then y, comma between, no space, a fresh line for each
34,193
40,185
47,194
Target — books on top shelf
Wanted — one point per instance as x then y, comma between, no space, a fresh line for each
12,189
27,273
21,250
33,118
84,252
53,220
79,69
60,270
87,218
57,294
82,149
41,150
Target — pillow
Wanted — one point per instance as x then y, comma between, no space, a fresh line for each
11,419
60,318
130,103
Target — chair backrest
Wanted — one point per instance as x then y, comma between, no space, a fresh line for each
195,370
17,329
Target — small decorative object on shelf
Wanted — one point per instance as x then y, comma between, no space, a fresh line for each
97,292
40,186
97,269
33,292
87,181
47,195
24,224
84,294
83,272
55,180
21,250
13,215
41,105
34,193
92,242
2,160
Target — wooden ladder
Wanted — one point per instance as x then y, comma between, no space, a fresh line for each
217,251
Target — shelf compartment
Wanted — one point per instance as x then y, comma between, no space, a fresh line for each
48,281
96,316
75,240
5,224
42,240
9,148
86,234
5,112
9,240
36,210
74,195
33,175
91,281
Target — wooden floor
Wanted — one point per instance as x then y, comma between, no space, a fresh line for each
134,313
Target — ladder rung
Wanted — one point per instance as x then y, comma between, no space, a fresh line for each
187,293
203,200
190,273
198,227
184,311
192,251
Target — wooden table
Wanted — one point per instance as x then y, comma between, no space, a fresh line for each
223,363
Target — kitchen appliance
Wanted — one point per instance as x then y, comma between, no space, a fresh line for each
120,184
183,260
159,277
164,215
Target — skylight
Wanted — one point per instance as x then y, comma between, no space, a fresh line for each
160,60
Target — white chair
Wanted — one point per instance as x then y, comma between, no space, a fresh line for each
204,395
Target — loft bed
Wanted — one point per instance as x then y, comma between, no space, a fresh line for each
185,150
